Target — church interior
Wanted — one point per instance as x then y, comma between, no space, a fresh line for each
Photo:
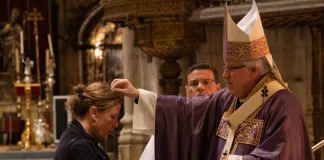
50,46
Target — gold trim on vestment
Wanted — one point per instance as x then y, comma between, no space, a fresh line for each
249,131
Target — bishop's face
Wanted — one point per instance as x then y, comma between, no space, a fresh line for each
240,78
201,82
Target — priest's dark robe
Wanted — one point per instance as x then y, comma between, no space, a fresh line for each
188,129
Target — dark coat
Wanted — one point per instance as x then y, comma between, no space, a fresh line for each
76,144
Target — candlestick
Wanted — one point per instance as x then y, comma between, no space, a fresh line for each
47,64
21,42
50,45
17,61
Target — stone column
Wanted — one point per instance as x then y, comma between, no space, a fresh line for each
316,86
139,73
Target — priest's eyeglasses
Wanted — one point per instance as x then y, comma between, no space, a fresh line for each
204,82
230,69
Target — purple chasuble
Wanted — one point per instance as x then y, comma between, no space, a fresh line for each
188,129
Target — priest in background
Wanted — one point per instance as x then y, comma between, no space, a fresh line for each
202,79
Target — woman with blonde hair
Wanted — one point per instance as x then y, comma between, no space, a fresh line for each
96,109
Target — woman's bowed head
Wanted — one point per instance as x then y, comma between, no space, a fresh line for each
96,107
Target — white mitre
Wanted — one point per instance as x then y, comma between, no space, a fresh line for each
246,40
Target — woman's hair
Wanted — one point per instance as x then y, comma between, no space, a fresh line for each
97,94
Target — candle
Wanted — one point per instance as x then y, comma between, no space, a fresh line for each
47,60
21,42
17,60
50,45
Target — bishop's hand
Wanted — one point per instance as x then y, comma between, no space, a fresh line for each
124,87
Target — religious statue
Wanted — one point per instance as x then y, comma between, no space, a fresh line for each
9,41
28,65
50,67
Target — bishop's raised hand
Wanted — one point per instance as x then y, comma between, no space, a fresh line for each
124,87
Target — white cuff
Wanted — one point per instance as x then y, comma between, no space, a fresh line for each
234,157
144,113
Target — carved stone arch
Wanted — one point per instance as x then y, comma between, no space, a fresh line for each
108,45
83,46
95,13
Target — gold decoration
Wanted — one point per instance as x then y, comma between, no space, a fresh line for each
249,131
146,8
246,50
160,26
28,90
36,16
166,38
28,136
160,29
